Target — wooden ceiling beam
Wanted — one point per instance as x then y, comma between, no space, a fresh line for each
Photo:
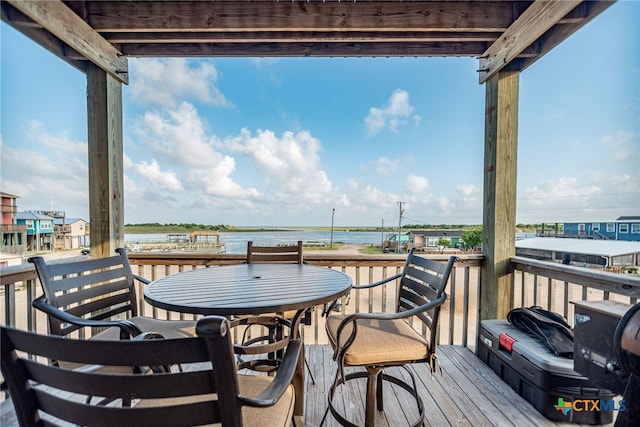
558,33
536,20
56,18
298,36
183,16
39,35
305,49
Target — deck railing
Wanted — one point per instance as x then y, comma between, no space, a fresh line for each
552,286
555,286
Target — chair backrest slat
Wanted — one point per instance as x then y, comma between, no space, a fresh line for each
291,254
206,393
87,277
423,280
75,266
88,293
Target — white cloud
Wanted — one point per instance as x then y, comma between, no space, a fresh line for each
179,135
386,166
166,82
417,184
362,198
393,115
56,178
61,143
177,141
566,190
445,205
290,164
166,180
469,192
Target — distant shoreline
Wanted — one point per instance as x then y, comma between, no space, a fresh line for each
135,229
188,228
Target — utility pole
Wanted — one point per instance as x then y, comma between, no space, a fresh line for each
400,223
382,236
333,211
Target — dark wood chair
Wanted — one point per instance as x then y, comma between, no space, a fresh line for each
210,390
375,341
98,293
285,254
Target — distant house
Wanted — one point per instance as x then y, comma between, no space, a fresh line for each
40,230
625,228
14,235
429,238
391,242
71,233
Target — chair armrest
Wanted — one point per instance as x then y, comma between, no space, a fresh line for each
274,391
142,279
386,316
379,282
126,327
148,336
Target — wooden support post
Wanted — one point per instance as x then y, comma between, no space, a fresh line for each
106,193
499,213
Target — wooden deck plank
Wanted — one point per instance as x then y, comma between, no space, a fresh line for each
493,388
464,394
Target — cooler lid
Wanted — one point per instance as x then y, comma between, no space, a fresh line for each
530,348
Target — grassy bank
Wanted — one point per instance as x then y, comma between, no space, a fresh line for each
188,228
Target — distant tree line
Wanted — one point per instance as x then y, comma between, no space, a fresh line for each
436,226
157,227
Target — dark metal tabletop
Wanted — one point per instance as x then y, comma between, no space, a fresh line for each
247,289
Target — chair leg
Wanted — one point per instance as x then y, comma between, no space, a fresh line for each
374,394
379,400
374,399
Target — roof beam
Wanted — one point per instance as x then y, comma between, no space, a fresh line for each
212,16
529,27
298,36
557,34
305,49
55,17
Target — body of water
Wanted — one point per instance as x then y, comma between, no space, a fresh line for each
236,243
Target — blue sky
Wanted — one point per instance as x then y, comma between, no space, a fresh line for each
256,141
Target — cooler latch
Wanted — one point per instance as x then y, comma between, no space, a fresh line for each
506,342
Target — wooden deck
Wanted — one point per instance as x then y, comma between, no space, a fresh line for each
467,393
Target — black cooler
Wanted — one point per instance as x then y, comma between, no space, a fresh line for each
538,375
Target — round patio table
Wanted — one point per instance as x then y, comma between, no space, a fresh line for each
247,289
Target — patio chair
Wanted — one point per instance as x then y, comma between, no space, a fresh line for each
285,254
98,293
209,391
282,254
376,341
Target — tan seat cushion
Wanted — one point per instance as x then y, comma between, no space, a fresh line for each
279,414
166,328
379,342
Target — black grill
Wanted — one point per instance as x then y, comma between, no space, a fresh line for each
607,351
